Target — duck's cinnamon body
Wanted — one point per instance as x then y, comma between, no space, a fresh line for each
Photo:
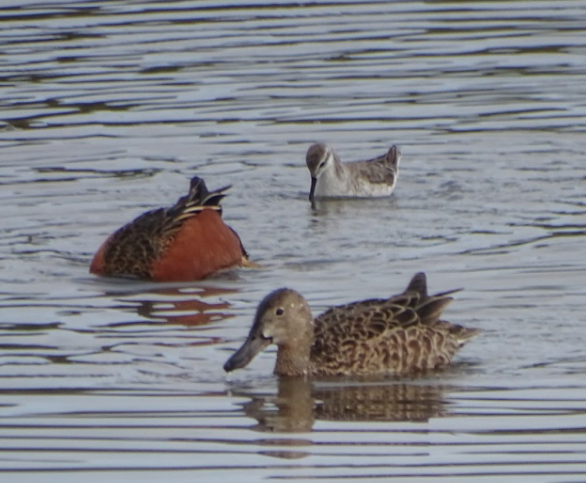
188,241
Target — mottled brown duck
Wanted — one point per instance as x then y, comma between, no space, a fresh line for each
400,335
188,241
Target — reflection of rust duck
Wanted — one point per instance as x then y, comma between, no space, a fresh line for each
188,241
396,336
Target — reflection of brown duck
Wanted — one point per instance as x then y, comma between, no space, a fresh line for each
290,411
187,241
383,402
299,403
400,335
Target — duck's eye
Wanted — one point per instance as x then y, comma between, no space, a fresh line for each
321,165
279,311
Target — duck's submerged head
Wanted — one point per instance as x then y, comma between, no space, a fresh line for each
283,318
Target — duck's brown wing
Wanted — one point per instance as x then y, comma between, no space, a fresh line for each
413,306
131,249
364,320
360,340
397,335
393,339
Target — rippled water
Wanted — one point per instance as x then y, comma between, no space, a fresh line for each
109,107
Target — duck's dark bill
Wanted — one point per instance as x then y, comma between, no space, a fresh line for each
246,353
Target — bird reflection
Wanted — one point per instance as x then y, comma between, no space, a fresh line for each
299,403
290,411
190,310
336,207
393,402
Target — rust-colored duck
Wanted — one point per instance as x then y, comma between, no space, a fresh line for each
188,241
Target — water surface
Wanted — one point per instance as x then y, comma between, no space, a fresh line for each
109,107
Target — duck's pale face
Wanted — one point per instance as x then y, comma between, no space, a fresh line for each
282,318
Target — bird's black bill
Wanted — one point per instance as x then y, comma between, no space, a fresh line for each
312,189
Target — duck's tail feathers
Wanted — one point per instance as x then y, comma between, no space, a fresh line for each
198,199
418,284
429,307
461,334
200,195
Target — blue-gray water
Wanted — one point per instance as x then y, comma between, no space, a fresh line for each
109,107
